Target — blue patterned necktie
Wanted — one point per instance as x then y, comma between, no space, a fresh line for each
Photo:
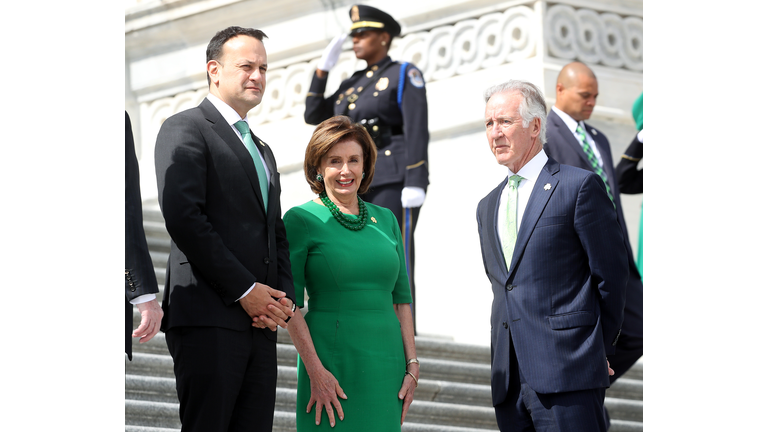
593,160
509,231
242,126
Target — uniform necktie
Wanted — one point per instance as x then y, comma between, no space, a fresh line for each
593,159
242,126
509,236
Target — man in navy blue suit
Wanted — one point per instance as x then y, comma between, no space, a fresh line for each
553,251
571,141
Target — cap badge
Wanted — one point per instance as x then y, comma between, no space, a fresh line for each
355,15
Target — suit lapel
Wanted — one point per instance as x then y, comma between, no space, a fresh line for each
567,135
498,252
536,204
605,153
225,132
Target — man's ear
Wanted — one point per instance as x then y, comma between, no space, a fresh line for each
213,71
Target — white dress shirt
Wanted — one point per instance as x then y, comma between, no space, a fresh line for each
572,124
530,173
232,117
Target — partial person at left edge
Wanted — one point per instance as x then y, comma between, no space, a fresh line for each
140,280
228,281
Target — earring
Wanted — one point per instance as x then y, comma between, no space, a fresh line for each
363,175
383,43
319,177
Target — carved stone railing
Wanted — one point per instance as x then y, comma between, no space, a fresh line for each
461,48
592,37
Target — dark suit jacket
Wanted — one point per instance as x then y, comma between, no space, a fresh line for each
563,298
139,272
222,238
563,147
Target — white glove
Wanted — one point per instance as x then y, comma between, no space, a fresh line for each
332,53
640,136
413,196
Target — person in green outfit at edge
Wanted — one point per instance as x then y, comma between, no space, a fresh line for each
354,340
630,178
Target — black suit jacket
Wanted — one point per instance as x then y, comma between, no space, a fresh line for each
563,147
139,272
223,240
562,298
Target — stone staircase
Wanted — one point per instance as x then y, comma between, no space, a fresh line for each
454,393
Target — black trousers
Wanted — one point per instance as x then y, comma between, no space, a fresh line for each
225,379
388,196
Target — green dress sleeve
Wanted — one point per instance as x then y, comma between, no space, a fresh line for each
402,291
298,244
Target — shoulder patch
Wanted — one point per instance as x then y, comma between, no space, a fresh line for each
415,77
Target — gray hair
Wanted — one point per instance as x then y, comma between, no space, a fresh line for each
532,105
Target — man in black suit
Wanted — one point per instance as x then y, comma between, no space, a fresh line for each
140,280
229,274
573,142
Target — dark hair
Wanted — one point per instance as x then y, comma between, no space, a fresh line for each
213,52
329,133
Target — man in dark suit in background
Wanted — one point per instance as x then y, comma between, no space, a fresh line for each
571,141
553,251
229,270
140,280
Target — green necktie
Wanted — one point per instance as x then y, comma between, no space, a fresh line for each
593,160
509,234
242,126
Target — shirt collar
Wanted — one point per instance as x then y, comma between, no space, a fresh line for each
568,120
531,170
226,111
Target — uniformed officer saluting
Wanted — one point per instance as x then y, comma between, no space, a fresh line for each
389,98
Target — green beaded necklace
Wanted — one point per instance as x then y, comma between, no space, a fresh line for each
346,221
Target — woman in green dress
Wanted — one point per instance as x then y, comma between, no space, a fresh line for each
354,340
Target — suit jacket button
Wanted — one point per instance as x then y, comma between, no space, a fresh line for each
509,287
266,260
505,324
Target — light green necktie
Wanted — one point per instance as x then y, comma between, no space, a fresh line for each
242,126
593,160
509,235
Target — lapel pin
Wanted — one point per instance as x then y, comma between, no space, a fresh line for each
547,186
373,219
594,132
262,143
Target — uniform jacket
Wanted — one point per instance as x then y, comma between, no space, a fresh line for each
223,240
562,298
140,276
403,158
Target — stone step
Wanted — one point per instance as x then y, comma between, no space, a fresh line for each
624,409
626,388
155,229
159,258
625,426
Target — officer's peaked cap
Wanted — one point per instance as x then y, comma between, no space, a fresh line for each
369,18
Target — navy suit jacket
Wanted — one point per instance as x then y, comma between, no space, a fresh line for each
563,147
562,298
223,240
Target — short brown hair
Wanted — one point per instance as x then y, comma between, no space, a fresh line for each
326,135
